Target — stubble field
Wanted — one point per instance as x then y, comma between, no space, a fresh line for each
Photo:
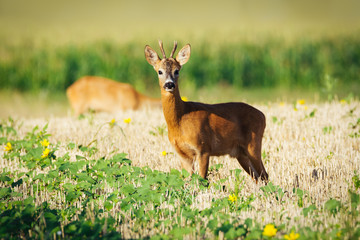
116,175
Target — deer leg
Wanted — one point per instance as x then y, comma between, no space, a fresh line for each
203,160
188,165
254,154
247,165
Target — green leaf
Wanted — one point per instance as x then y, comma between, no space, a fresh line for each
64,166
144,191
31,165
178,232
356,181
78,157
225,227
312,114
235,233
240,232
29,200
4,178
108,205
231,234
333,206
126,204
83,186
213,224
269,188
254,234
354,199
71,146
16,194
72,196
249,223
71,228
50,217
53,174
274,190
175,172
175,181
113,197
274,119
3,140
69,187
185,173
39,176
85,177
128,189
120,158
298,192
308,210
5,192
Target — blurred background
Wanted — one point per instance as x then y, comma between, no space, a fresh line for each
242,50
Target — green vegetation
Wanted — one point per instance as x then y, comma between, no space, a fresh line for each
325,64
50,196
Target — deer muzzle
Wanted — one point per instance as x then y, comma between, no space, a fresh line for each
169,85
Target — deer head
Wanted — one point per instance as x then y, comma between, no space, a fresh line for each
168,68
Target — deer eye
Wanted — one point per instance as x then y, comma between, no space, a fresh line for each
160,72
176,72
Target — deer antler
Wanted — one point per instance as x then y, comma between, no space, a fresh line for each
162,48
174,49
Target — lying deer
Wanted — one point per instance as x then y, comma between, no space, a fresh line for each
102,94
198,130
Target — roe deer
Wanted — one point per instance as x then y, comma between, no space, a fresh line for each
103,94
198,130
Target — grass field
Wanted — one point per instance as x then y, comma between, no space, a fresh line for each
116,176
121,178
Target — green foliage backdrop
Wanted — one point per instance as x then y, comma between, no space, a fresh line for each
271,62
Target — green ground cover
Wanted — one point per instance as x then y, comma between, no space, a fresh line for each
326,64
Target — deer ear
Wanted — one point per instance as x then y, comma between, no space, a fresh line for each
183,55
151,56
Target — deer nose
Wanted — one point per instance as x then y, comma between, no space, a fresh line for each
169,86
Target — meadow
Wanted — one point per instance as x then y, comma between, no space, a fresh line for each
116,176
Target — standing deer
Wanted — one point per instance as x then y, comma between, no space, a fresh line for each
198,130
103,94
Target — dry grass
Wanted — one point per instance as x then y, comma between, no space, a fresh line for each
298,151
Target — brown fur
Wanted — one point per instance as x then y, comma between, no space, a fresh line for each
198,130
106,95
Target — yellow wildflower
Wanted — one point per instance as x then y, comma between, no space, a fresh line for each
301,102
292,236
164,153
112,122
305,107
282,104
45,153
44,143
8,147
342,101
269,230
338,234
185,99
295,109
232,198
127,120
